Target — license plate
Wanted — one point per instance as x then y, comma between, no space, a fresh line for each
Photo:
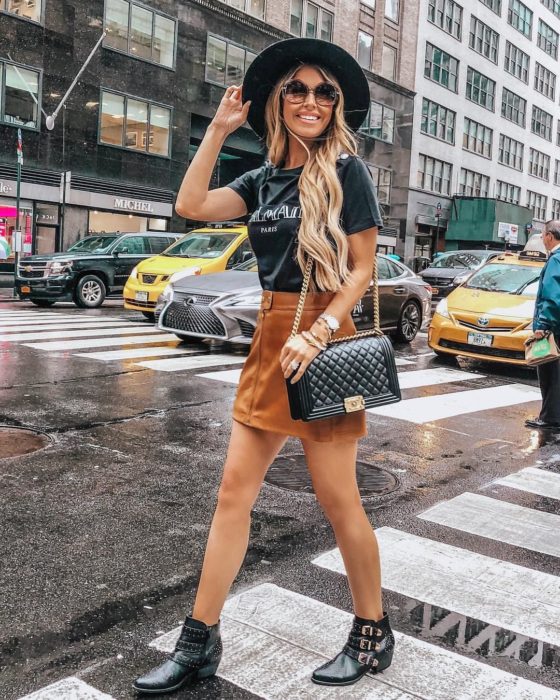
435,291
141,296
26,290
480,339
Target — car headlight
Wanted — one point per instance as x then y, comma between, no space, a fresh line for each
134,273
188,272
441,309
462,278
57,267
166,295
248,300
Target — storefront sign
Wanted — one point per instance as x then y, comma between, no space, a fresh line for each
4,189
133,205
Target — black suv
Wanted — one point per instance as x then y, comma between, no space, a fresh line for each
89,270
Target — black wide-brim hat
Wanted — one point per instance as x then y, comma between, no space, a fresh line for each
276,60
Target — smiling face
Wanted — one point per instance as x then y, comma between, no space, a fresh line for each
308,120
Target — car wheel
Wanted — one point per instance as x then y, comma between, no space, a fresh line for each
409,322
150,315
90,292
44,303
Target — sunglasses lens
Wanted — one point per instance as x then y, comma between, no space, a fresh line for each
325,94
295,91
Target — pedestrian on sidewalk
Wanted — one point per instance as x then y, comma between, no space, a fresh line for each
312,197
547,320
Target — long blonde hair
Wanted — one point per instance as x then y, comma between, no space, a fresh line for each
319,186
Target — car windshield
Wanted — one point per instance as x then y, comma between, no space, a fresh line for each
201,245
250,265
512,279
465,261
93,244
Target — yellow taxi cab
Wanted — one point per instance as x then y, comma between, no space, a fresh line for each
208,249
490,315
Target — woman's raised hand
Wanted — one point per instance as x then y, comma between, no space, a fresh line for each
231,112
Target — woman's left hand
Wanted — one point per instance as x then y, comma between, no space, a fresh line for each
297,349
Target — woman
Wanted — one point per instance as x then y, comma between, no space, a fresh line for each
312,198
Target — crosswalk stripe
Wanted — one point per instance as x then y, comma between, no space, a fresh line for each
401,362
430,408
46,335
464,582
75,326
56,345
274,638
231,376
183,363
533,480
499,521
68,689
53,321
135,353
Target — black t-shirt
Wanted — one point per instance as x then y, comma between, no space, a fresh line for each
272,198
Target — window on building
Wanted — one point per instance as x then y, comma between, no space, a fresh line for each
441,67
545,81
310,20
520,17
494,5
368,3
389,62
553,6
365,50
380,122
547,39
538,203
472,184
539,164
477,138
555,213
480,89
382,182
226,63
507,192
483,39
514,107
447,15
438,121
510,152
140,32
557,171
251,7
392,9
516,62
541,123
136,124
17,106
29,9
434,175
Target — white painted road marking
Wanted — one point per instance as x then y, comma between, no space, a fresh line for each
63,327
431,377
34,321
430,408
45,335
135,353
506,595
533,480
68,689
228,375
183,363
400,362
102,342
275,638
500,521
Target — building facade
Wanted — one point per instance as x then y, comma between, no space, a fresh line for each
486,113
119,147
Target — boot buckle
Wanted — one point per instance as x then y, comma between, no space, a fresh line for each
365,644
367,629
367,659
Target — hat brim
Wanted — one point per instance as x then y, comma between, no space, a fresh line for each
276,60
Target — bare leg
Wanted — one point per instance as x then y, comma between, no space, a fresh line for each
250,453
333,472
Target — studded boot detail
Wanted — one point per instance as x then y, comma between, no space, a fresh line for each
369,648
197,655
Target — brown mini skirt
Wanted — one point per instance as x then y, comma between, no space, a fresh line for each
262,399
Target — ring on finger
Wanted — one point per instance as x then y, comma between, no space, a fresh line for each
294,364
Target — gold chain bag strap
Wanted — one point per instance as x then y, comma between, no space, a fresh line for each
354,372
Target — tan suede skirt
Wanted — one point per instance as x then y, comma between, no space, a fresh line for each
262,398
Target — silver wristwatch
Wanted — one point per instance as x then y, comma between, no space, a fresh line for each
331,322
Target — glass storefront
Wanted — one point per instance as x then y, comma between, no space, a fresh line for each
8,219
107,222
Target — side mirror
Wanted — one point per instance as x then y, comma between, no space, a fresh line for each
116,253
247,255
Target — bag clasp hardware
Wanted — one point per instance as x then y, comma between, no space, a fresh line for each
354,403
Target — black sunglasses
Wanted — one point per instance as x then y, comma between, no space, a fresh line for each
296,92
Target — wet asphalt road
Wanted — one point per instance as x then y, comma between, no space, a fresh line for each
103,532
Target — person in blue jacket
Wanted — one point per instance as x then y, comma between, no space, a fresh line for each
547,320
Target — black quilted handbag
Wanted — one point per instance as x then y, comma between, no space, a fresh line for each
354,373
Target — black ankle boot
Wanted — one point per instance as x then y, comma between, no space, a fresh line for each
369,648
197,654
